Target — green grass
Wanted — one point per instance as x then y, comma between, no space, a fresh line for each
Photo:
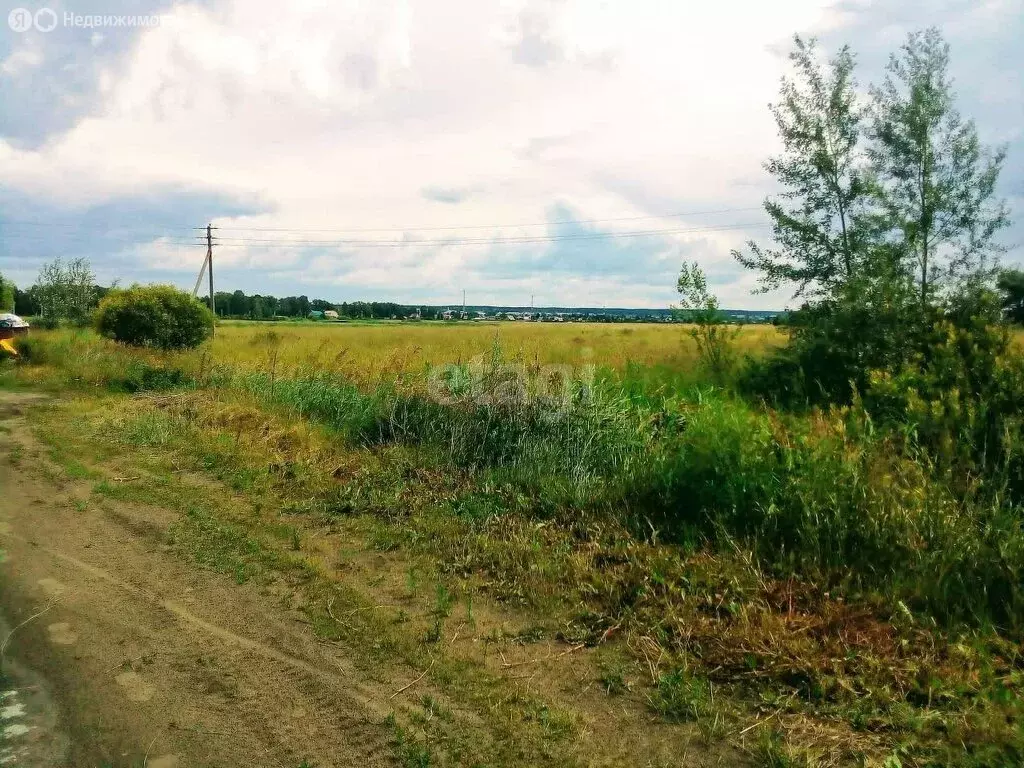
805,562
679,696
409,751
614,676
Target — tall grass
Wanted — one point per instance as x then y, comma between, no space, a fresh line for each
820,495
379,353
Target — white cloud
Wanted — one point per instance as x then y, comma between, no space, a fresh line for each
21,61
387,113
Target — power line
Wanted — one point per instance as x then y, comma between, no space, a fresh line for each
84,237
85,225
491,226
241,242
279,243
89,225
244,242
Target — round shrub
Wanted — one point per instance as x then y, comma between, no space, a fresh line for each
158,316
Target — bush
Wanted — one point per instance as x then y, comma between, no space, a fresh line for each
158,316
871,324
962,403
46,323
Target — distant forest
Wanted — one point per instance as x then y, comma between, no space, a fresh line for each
239,305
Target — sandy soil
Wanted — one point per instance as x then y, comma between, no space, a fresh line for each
140,660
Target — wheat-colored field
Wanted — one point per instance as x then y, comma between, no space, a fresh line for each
373,351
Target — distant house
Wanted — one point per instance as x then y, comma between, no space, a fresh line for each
330,314
316,315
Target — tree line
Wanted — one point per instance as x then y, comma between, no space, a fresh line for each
239,305
68,292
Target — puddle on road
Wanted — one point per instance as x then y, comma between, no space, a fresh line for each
29,732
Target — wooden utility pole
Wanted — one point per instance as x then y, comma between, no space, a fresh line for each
209,258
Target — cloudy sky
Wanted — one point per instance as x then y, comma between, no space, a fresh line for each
406,150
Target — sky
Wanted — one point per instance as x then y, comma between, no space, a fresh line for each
404,150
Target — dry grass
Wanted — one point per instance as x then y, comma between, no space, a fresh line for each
372,352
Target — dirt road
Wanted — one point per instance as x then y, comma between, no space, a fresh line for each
139,659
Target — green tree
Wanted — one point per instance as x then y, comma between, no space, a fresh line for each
700,307
238,304
257,308
935,182
7,293
1011,288
158,316
920,212
66,291
26,303
817,220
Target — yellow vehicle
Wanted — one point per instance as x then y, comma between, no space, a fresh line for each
11,326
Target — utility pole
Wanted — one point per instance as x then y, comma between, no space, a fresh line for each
463,303
209,258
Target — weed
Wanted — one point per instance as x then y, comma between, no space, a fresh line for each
613,677
679,697
435,632
433,708
408,750
443,602
412,582
531,634
555,724
773,752
15,454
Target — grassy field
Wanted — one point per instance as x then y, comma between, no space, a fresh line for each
789,589
372,352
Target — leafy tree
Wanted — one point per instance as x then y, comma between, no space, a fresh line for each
935,182
871,323
66,291
1011,286
26,303
7,292
158,316
257,308
871,234
238,304
714,338
817,222
266,308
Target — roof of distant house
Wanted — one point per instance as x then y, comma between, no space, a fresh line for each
8,320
